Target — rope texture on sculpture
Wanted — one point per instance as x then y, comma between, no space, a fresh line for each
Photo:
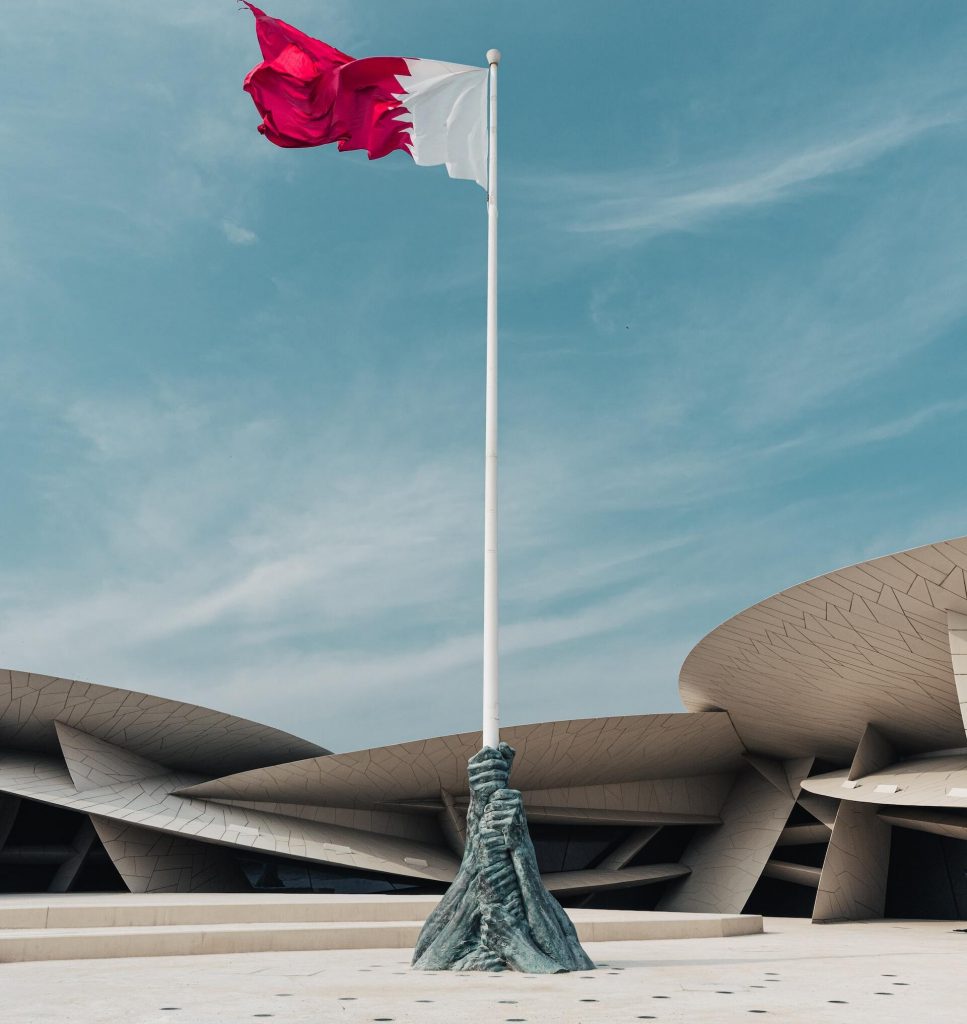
497,914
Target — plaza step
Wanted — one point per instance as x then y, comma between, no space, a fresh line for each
25,944
137,910
85,927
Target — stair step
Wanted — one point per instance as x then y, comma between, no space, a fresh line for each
146,910
287,924
24,944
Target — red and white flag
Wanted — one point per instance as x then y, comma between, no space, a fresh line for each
310,94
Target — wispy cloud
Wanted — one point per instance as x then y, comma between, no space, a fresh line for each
238,235
350,568
645,203
173,83
262,490
117,429
903,426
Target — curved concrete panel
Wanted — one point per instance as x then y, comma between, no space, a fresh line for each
151,861
804,672
918,782
151,804
859,668
180,736
583,752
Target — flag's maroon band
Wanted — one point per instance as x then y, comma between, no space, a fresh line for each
310,94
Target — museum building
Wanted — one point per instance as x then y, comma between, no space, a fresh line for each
819,769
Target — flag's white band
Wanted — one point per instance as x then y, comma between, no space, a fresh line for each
447,104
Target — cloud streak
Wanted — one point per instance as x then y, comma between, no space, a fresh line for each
238,235
645,204
255,482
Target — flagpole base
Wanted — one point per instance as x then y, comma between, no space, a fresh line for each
497,915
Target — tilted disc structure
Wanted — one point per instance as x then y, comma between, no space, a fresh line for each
820,769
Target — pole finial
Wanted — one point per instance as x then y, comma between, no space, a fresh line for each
493,56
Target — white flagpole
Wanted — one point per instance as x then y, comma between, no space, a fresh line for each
491,702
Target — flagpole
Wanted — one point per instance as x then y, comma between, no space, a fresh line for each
491,702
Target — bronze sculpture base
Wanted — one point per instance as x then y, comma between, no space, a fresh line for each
497,915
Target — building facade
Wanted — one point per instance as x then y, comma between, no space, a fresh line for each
819,769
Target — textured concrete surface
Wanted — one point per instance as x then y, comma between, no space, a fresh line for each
580,753
805,671
797,972
726,863
918,781
180,736
853,882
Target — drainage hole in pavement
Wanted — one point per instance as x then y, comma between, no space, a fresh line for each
842,1002
587,1000
887,975
424,1000
758,1011
280,995
883,993
661,997
508,1002
899,982
347,999
757,986
724,992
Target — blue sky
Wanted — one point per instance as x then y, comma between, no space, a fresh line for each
242,408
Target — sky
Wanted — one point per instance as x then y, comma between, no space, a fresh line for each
241,387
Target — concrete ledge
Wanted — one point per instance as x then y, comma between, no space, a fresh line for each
91,927
622,925
186,940
152,910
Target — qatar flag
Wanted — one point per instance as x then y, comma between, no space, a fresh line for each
310,94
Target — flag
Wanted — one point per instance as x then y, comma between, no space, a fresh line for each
310,94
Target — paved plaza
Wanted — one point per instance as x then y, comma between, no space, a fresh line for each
901,971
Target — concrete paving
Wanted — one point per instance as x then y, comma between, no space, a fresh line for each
880,972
